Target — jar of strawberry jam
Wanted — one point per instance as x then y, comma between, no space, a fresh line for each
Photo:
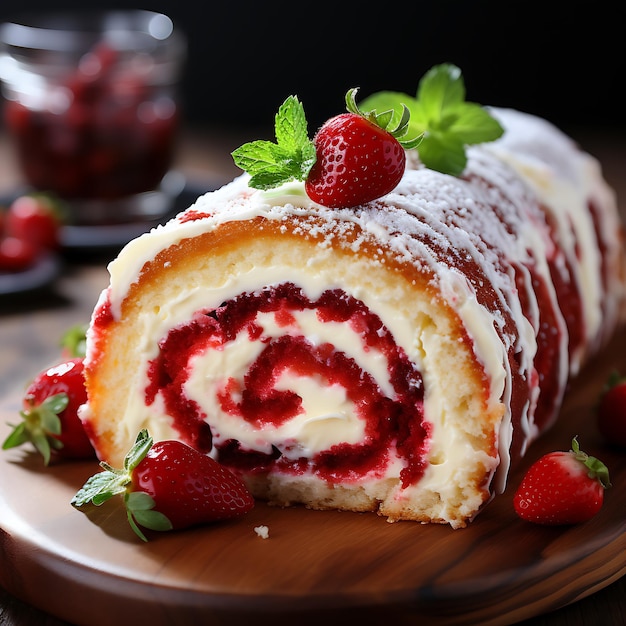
90,103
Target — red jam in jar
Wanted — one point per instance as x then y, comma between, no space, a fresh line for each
90,101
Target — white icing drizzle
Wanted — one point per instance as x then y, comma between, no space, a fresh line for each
566,180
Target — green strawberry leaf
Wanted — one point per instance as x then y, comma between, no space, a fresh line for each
42,445
440,112
49,411
112,481
396,126
99,488
596,469
19,435
137,453
40,426
74,340
140,510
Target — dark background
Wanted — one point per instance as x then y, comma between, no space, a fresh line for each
563,61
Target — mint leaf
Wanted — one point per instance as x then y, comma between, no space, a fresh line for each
440,112
291,126
290,158
473,124
440,90
443,153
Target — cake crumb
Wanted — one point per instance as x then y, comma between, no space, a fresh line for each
262,531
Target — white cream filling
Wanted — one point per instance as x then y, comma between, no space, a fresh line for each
327,417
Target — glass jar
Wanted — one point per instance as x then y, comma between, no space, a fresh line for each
91,106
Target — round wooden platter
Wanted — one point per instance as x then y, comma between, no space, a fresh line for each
89,567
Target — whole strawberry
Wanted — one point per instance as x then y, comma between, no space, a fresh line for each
35,218
16,254
357,158
49,414
168,486
611,411
562,488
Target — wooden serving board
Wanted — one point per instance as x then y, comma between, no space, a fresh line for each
89,568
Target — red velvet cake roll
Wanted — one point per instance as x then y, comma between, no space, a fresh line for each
394,357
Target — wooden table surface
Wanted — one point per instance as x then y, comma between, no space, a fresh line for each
31,325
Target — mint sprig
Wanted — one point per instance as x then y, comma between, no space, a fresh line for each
437,121
290,158
292,155
439,112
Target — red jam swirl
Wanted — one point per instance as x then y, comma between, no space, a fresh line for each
98,134
390,424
